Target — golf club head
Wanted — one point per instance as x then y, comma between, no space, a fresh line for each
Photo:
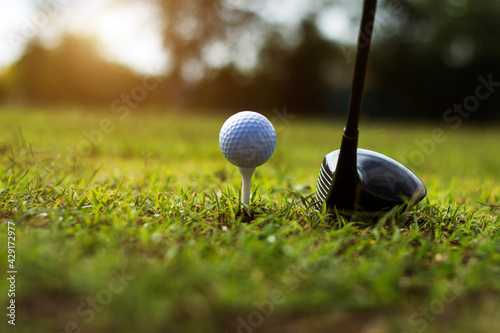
383,183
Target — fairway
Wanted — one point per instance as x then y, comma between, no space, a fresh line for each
131,223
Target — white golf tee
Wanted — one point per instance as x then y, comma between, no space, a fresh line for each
246,184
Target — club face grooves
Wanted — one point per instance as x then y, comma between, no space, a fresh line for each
324,181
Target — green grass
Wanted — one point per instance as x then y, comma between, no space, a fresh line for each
155,202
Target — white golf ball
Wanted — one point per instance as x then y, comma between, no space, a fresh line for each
247,139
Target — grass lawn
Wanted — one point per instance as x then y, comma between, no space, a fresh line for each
131,223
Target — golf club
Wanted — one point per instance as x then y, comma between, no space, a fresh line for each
360,181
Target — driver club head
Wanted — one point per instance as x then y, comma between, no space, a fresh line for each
381,184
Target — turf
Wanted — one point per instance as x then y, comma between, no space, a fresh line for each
142,231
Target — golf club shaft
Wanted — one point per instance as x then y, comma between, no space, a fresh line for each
345,190
363,50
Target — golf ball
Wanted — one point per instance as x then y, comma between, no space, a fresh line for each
247,139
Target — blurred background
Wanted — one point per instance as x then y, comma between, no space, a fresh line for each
249,54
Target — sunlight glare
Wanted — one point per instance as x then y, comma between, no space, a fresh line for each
128,34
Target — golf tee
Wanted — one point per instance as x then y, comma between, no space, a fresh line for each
246,184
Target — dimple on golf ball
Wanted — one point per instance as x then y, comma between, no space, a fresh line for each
247,139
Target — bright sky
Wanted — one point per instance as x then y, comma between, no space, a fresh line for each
9,19
127,33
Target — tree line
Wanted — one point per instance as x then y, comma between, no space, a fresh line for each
427,58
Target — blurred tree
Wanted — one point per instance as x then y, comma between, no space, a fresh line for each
303,76
192,26
73,72
431,55
427,56
289,72
299,76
